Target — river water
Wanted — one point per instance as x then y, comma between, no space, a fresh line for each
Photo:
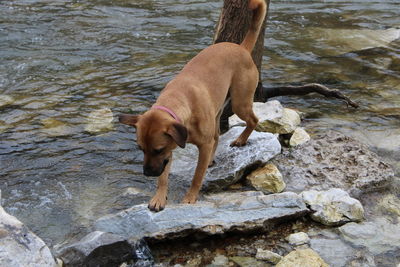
63,61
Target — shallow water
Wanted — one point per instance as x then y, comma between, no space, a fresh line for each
63,60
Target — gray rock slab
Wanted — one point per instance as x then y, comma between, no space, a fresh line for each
379,236
230,162
19,247
329,160
219,213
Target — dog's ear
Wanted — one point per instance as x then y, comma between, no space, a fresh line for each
128,119
178,132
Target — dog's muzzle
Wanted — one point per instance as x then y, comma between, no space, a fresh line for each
149,171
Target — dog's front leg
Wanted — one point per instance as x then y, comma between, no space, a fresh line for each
205,153
159,200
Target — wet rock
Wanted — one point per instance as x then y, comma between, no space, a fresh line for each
248,261
348,40
377,236
297,239
6,100
285,124
267,179
302,257
267,111
96,249
333,207
99,120
230,162
330,160
299,137
219,213
19,247
268,255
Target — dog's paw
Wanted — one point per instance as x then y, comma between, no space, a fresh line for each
157,203
238,142
189,198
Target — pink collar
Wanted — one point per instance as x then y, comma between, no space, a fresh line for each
170,112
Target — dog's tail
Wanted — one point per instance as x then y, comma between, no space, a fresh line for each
259,9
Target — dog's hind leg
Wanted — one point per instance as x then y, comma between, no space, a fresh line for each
242,93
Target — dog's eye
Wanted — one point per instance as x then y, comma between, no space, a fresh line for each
158,151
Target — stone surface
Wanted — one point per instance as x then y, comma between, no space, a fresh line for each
333,207
391,204
220,260
297,239
379,236
267,111
332,248
268,255
6,100
99,120
333,160
19,247
220,213
230,162
285,124
267,179
299,137
302,257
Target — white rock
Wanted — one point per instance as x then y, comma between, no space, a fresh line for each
220,260
267,179
19,247
268,255
297,239
333,207
6,100
264,111
302,257
299,137
99,120
285,124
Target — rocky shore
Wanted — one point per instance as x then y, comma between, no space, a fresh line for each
285,199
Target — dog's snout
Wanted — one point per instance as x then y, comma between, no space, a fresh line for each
149,171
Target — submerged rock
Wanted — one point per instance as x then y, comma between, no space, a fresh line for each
267,179
348,40
377,236
302,257
330,160
230,162
19,247
244,211
248,261
333,207
54,128
99,120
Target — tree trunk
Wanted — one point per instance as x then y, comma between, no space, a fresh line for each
233,23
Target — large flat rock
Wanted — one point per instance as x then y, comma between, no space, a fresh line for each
230,162
219,213
333,160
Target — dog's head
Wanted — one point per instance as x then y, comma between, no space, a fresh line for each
157,135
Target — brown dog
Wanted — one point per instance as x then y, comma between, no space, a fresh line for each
190,106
